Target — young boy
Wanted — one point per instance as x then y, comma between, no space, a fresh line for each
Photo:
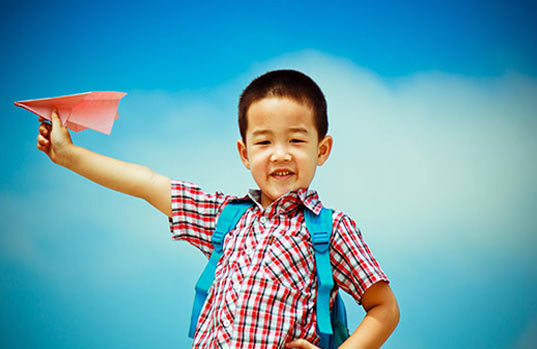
265,286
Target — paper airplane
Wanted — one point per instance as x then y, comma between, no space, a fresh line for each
95,110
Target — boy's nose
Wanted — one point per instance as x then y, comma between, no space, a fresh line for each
280,153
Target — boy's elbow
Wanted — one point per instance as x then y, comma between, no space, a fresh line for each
395,313
391,308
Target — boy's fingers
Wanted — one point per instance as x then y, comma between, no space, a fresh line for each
43,144
42,140
301,343
44,148
44,129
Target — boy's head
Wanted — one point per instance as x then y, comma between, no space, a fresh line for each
286,84
283,123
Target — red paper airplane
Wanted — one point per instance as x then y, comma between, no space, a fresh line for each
95,110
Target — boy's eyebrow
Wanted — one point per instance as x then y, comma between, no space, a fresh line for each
263,132
299,130
260,132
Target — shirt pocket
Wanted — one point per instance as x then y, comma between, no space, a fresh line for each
290,261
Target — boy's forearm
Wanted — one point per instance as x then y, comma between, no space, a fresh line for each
131,179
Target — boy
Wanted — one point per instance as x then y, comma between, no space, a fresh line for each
264,291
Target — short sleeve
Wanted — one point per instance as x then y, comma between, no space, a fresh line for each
194,214
353,266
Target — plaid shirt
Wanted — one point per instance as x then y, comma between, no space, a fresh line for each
265,287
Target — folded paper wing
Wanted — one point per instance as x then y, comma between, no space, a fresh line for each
95,110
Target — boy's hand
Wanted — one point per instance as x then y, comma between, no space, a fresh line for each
54,139
301,343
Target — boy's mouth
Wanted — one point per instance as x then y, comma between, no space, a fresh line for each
282,173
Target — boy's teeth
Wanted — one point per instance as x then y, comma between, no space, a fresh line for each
282,173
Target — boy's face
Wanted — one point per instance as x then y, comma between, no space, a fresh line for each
282,148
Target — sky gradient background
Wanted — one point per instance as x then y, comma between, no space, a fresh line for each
434,115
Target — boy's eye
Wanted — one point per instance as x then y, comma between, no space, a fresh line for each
296,140
262,143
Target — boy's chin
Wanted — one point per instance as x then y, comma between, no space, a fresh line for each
276,195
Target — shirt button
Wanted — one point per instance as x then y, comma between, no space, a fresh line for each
237,287
249,251
226,323
263,220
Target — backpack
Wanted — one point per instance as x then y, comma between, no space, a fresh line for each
331,326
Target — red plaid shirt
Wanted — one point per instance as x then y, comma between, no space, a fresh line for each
265,287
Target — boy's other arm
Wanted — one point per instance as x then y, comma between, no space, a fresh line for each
139,181
381,319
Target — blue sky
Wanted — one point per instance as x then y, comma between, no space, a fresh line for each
433,114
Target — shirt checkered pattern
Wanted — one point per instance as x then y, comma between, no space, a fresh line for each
265,287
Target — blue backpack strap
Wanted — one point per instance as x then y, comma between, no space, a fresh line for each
320,229
339,323
229,217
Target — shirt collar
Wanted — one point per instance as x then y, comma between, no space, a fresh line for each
290,201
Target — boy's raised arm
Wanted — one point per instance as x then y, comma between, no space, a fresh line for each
139,181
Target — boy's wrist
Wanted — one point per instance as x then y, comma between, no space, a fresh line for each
66,155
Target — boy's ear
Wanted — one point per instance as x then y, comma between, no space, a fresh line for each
243,153
325,147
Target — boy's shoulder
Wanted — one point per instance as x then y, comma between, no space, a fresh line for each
344,223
